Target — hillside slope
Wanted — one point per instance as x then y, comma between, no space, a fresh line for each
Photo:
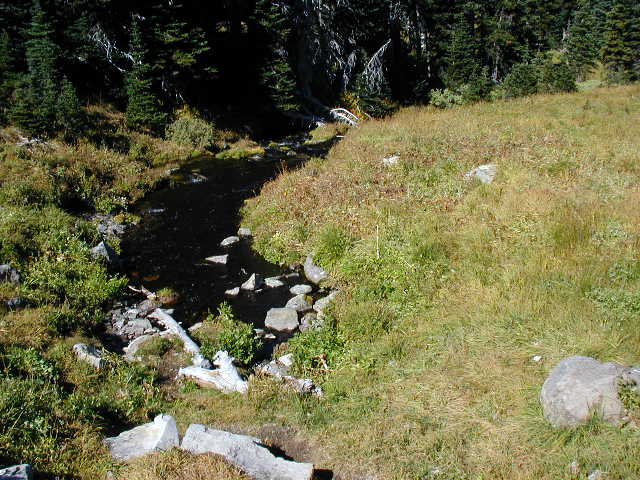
449,287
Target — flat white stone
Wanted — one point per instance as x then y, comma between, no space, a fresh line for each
286,360
247,453
300,303
227,242
232,292
484,173
244,233
314,273
282,319
89,354
161,434
273,282
218,259
391,160
300,289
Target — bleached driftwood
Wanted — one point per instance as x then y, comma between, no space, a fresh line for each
168,322
344,115
225,378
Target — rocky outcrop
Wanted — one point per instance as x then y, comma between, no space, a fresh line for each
245,452
580,386
89,354
17,472
314,273
161,434
282,320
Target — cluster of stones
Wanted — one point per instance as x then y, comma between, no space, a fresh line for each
247,453
10,274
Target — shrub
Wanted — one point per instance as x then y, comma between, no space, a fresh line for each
315,348
445,98
332,243
521,81
478,89
236,337
191,131
555,75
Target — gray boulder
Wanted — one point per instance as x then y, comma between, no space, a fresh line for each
300,303
579,387
89,354
104,250
282,319
254,283
314,273
324,302
300,289
247,453
161,434
484,173
244,233
218,259
9,274
16,472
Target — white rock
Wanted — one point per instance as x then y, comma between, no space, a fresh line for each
273,282
89,354
324,302
286,360
244,233
391,160
17,472
218,259
161,434
232,292
282,319
484,173
597,475
195,326
300,303
314,273
131,350
225,378
300,289
227,242
536,358
253,283
247,453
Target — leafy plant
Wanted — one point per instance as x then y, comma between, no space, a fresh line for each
192,131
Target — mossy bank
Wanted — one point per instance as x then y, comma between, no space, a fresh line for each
449,288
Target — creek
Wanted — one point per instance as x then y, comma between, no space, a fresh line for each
185,221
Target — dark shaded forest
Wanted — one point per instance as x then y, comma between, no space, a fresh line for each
287,59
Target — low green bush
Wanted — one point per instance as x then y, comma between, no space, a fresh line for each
234,336
445,98
191,131
521,81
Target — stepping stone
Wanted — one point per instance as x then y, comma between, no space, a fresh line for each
273,282
227,242
282,319
300,289
300,303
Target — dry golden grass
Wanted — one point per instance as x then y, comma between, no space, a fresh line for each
178,465
475,279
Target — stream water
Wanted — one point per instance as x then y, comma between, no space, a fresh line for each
185,222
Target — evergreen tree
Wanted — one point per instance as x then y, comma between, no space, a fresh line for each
276,75
38,98
5,73
69,119
143,107
621,50
582,43
464,56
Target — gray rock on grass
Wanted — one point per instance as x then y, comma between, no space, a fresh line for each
247,453
89,354
314,273
131,350
282,319
17,472
580,386
244,233
484,173
161,434
324,302
9,274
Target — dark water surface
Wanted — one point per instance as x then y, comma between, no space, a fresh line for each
185,222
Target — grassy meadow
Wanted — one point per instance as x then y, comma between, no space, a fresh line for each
449,288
